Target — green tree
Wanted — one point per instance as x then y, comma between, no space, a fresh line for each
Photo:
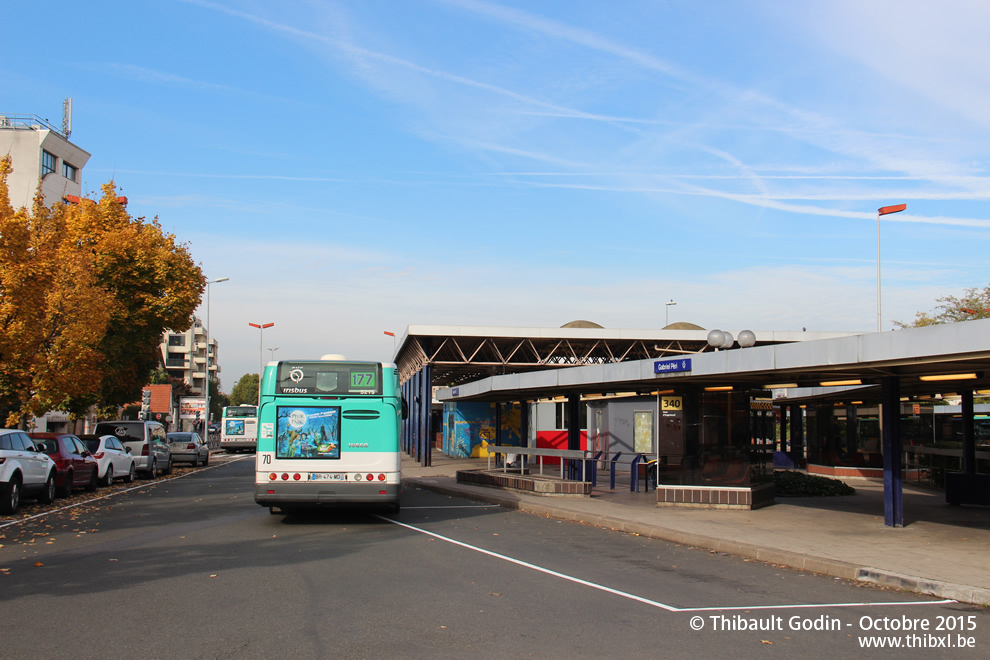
218,400
245,392
974,304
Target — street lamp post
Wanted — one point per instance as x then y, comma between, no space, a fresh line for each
667,310
207,329
273,352
884,210
261,352
392,335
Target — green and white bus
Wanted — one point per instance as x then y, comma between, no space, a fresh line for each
239,428
328,435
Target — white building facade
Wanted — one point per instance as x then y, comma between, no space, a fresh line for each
186,355
40,153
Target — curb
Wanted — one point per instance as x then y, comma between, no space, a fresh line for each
830,567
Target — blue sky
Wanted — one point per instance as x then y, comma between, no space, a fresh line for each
356,167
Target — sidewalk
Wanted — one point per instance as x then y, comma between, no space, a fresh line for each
943,551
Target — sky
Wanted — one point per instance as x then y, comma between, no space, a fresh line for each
356,167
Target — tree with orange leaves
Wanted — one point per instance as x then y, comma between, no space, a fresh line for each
85,294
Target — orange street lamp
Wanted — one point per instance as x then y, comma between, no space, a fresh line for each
884,210
261,352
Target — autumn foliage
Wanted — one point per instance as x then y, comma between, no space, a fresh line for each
974,304
85,294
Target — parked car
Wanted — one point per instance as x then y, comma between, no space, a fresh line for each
114,458
74,465
189,447
147,441
25,471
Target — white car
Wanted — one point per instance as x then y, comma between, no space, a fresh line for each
114,459
25,471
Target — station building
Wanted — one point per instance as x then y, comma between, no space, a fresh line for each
716,422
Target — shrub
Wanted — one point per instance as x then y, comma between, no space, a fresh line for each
798,484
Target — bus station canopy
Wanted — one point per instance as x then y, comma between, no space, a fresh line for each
929,360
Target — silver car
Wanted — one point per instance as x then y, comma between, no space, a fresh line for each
146,440
187,446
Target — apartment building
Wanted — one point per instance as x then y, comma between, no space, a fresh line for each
186,355
40,152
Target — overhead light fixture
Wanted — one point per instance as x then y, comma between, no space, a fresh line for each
938,377
983,392
780,386
662,392
837,383
720,388
855,403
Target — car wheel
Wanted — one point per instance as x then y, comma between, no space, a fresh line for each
94,480
154,470
48,495
10,497
107,480
130,475
66,485
196,461
168,469
206,461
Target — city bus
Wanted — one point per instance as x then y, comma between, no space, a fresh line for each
328,435
239,428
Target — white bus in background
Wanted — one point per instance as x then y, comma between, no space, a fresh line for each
239,428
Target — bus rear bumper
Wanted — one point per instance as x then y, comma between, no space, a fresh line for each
324,494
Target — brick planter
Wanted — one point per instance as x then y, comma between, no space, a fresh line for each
716,497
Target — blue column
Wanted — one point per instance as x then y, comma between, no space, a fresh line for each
414,405
893,496
426,416
405,422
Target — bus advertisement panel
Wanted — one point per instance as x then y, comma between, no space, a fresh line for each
328,435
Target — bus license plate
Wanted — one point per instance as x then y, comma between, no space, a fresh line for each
327,476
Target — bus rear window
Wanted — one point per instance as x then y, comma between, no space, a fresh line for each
308,432
326,378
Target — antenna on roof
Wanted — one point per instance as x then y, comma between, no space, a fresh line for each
67,118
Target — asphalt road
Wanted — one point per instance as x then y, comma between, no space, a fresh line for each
192,568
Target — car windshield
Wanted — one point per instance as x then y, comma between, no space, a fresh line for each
180,437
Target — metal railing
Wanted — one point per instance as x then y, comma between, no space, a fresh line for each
27,122
579,455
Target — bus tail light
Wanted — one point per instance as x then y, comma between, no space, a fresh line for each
358,477
383,492
296,476
371,477
381,477
272,476
285,476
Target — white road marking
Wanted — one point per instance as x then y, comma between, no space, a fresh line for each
474,506
647,601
